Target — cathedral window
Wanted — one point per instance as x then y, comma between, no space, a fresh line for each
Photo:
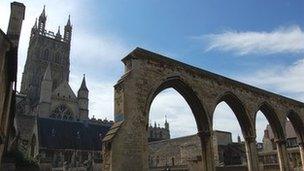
46,54
62,112
78,135
57,58
53,132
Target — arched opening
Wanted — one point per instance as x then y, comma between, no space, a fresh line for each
294,140
179,144
46,54
270,136
230,123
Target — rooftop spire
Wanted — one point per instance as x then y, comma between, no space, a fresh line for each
83,84
47,75
35,25
69,21
58,32
43,12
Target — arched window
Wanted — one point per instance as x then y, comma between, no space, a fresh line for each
62,112
57,57
46,54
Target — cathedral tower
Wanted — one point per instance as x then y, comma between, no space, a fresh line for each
44,105
45,47
83,100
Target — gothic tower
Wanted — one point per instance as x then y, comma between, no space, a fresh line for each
44,105
46,48
83,100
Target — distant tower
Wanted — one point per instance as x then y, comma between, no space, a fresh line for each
166,123
68,31
83,100
167,128
44,105
239,139
44,48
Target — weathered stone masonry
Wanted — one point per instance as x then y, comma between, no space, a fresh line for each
147,74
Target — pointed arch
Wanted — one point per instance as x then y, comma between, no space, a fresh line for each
239,110
201,118
272,119
297,124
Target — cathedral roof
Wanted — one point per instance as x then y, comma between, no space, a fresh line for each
64,90
60,134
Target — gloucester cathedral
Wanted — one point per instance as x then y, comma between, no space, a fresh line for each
51,122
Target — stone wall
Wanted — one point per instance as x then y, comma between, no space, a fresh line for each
8,73
148,73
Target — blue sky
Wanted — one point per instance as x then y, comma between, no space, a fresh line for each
257,42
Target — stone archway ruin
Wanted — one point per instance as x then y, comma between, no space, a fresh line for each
125,146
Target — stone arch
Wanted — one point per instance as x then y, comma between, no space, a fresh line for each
273,120
297,124
239,110
278,132
147,73
195,104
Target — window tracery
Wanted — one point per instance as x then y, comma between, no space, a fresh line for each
62,112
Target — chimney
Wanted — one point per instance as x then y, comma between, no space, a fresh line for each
15,22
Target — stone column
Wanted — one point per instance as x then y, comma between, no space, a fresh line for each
282,155
251,153
301,148
207,150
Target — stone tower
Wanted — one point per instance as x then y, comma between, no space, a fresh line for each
44,106
83,100
46,48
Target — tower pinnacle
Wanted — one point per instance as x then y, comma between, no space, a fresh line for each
83,84
42,15
69,21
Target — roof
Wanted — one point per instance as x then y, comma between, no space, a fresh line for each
64,90
60,134
112,132
83,85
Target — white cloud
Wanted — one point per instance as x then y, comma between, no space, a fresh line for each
288,80
282,40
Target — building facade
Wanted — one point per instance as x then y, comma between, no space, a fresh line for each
157,133
268,155
8,75
185,152
51,120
